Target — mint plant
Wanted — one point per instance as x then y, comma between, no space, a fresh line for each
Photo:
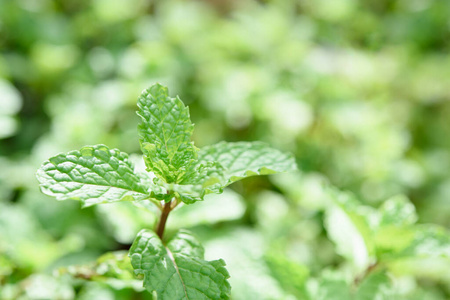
177,172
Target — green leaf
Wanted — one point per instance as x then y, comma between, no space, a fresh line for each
177,270
397,211
348,227
395,228
205,179
165,134
332,289
224,163
397,237
290,275
188,193
244,159
112,268
428,241
375,286
390,240
93,175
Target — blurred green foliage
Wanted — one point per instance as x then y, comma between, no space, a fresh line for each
358,91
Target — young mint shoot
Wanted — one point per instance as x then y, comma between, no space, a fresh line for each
173,268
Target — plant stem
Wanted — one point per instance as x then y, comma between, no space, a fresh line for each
162,221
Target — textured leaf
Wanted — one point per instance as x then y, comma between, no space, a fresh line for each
188,193
93,175
206,178
177,270
224,163
244,159
165,134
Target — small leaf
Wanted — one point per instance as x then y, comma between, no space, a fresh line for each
93,175
428,241
244,159
398,237
398,211
206,179
109,266
348,227
165,134
390,240
332,289
178,270
375,286
188,193
291,275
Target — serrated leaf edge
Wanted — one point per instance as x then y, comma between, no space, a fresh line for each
41,174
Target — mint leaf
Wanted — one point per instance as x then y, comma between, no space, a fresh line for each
244,159
398,211
188,193
428,241
177,270
289,274
398,237
93,175
112,268
375,286
347,224
395,228
221,164
205,178
332,289
165,134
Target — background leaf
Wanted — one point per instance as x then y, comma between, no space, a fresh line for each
347,224
291,275
398,211
375,286
332,289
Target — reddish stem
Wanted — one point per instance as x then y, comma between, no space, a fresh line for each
162,221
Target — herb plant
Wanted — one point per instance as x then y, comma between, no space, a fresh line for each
178,172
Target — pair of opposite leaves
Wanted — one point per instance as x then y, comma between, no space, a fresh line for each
176,169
